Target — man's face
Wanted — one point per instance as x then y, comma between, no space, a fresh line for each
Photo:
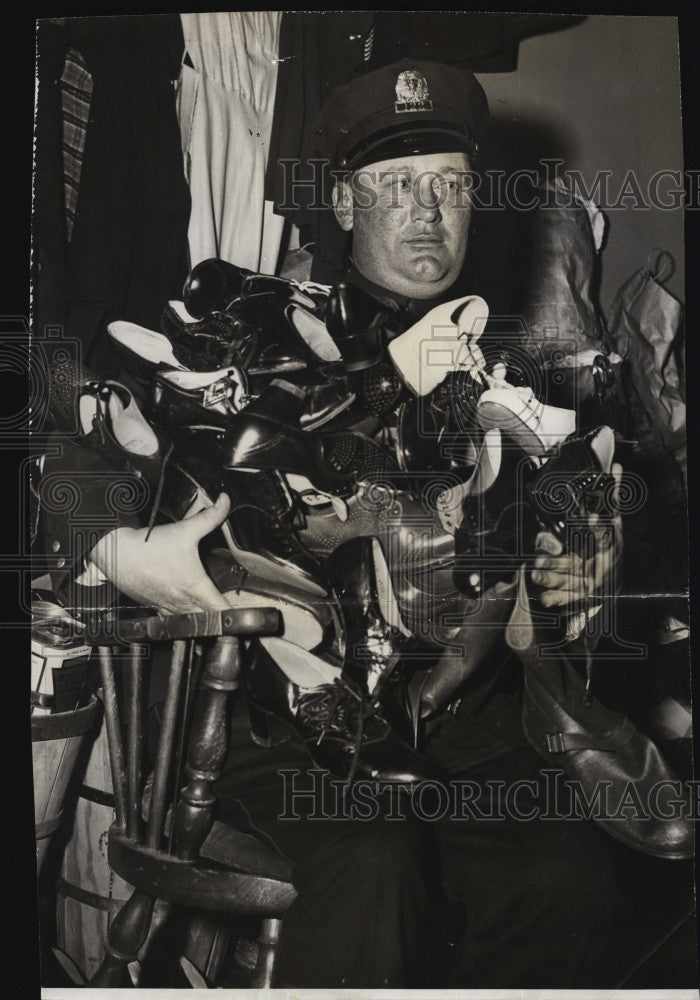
409,218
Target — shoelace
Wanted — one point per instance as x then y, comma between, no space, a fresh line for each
101,393
159,491
325,704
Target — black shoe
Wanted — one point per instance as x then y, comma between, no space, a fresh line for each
221,338
189,399
573,484
290,337
333,463
378,388
212,285
374,632
327,404
360,325
497,527
418,437
343,731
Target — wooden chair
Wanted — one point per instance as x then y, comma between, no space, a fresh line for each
180,854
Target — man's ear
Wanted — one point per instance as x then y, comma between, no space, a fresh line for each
343,204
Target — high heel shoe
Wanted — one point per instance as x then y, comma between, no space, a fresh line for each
342,730
111,425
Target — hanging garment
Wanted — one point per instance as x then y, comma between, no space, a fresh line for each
225,100
318,52
126,255
76,94
645,324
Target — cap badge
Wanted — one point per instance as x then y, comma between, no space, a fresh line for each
412,92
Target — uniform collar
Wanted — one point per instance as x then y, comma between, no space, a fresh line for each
416,308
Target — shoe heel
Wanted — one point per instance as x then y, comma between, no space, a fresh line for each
266,729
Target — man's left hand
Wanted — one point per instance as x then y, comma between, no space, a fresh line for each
569,579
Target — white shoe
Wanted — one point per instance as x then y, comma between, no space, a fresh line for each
536,427
444,340
147,344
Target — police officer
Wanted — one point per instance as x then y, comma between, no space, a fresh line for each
402,143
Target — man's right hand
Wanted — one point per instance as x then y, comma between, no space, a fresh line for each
164,572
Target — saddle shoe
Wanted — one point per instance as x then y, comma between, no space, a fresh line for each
536,427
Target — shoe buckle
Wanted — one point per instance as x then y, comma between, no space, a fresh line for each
220,390
555,743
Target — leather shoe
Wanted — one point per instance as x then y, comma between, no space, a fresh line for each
221,337
334,463
360,325
306,621
185,399
574,483
343,732
602,750
374,632
212,285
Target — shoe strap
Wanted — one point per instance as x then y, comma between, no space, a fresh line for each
559,743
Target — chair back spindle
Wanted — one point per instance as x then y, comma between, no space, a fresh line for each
134,742
165,746
114,738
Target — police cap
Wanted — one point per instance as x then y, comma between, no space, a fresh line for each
404,109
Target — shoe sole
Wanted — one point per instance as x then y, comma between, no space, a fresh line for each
495,415
313,423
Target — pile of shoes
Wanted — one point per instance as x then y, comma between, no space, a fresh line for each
373,472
